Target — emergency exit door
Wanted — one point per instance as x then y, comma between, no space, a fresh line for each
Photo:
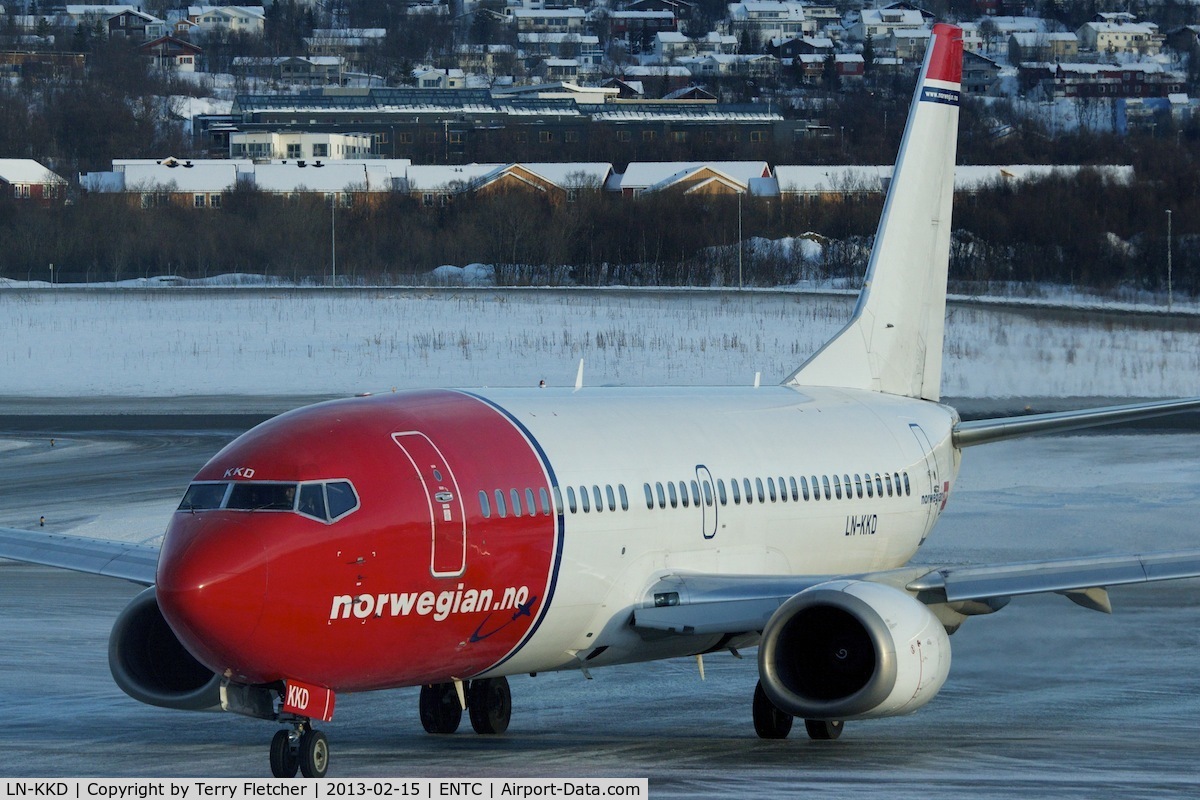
447,516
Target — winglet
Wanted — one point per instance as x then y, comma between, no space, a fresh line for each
893,342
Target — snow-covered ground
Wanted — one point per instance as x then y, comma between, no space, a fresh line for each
304,343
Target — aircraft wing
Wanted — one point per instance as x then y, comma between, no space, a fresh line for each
708,604
132,562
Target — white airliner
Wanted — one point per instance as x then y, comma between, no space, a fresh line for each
447,539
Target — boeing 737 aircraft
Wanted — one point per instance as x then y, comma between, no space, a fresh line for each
447,539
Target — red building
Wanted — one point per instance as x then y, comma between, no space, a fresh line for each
25,180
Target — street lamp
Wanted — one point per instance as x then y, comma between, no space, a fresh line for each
51,274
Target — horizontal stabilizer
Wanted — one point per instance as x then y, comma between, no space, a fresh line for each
983,431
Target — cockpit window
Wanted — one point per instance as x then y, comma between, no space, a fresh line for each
342,499
262,497
203,496
327,501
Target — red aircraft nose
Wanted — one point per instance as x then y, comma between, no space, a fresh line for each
212,581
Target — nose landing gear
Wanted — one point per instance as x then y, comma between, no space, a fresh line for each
302,749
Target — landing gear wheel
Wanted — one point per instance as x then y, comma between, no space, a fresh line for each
490,704
440,710
769,721
314,754
824,729
284,760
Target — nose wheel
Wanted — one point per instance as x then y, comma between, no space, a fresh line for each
301,749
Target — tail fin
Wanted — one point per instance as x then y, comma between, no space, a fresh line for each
893,343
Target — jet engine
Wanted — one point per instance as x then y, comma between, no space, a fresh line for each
150,665
852,650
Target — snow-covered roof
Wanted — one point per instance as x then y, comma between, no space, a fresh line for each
569,173
902,17
1037,38
26,170
642,15
333,177
830,178
644,174
1144,28
206,177
440,177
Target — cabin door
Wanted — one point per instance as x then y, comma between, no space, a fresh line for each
447,516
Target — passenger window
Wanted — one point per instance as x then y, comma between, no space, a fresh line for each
888,479
516,502
612,500
825,484
708,493
584,501
737,492
501,509
858,485
907,490
837,487
878,485
571,499
624,497
896,479
558,500
849,488
748,491
203,496
596,495
530,508
484,505
771,488
795,489
671,492
649,496
816,488
544,496
662,498
870,486
695,494
312,500
721,491
683,495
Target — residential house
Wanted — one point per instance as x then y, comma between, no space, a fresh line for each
356,46
557,182
879,23
637,28
247,20
430,78
847,66
807,46
670,46
294,70
135,24
692,177
1042,46
170,54
562,20
734,65
770,19
1102,80
979,74
585,48
1120,37
907,44
25,180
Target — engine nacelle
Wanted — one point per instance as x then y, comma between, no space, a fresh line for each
150,665
852,650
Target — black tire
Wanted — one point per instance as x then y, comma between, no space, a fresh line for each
490,703
284,760
824,729
769,721
314,754
441,712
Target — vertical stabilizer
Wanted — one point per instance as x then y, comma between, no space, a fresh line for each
893,343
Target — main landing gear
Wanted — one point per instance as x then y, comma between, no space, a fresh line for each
489,704
301,749
771,723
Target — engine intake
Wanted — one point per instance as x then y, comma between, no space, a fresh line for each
852,650
150,665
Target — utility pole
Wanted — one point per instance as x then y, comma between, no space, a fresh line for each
1170,291
333,235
